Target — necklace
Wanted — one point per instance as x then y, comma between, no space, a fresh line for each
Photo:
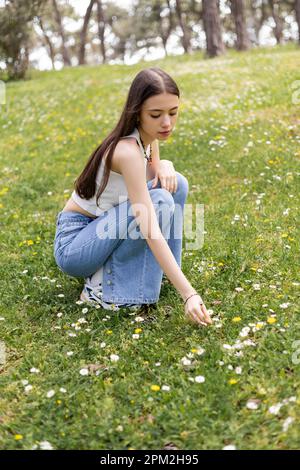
149,159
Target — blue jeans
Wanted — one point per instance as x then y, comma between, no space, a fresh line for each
131,274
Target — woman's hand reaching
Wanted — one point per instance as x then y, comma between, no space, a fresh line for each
196,312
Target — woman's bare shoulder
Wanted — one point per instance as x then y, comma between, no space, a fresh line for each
127,147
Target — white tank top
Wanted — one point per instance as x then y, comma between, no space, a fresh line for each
115,191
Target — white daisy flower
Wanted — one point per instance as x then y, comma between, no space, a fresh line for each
285,305
45,445
139,319
287,423
114,357
252,404
275,408
185,361
200,351
199,379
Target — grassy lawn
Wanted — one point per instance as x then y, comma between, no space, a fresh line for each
237,141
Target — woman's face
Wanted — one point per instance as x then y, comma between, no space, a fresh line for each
158,115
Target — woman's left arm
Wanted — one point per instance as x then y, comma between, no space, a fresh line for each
162,170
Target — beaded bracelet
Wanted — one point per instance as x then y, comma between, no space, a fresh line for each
192,296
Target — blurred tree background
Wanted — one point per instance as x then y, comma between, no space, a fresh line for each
115,32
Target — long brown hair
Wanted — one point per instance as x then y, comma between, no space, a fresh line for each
148,82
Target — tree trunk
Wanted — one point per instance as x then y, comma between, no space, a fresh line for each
83,33
278,21
165,33
297,8
238,12
48,42
212,28
101,29
185,35
64,50
258,22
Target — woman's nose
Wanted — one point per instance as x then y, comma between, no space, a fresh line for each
167,122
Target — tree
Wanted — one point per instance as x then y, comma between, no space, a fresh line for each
101,22
16,17
257,17
164,16
238,12
278,29
185,39
212,28
83,33
48,41
58,18
297,10
145,33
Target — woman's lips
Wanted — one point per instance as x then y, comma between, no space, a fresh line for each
165,133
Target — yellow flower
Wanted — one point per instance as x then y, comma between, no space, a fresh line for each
271,320
236,319
109,332
58,402
155,388
18,437
138,330
232,381
3,191
259,325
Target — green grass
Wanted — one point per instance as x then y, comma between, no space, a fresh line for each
237,142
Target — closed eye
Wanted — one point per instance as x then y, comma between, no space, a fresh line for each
155,117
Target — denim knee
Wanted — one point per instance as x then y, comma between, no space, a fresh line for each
182,184
163,196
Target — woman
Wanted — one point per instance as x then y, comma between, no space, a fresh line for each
110,231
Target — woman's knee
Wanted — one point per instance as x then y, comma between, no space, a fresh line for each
163,196
182,184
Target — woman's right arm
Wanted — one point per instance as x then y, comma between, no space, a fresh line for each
132,168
